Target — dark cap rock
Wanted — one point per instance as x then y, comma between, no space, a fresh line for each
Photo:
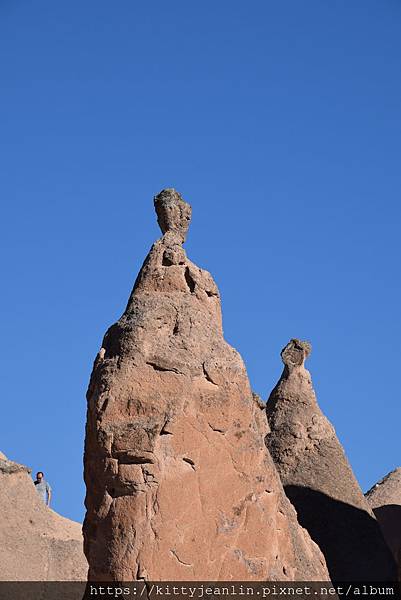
173,213
295,352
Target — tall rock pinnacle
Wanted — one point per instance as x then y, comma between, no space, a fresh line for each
180,485
318,478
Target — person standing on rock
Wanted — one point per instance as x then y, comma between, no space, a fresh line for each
43,488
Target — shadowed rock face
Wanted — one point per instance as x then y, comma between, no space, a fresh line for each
36,544
318,478
385,500
179,483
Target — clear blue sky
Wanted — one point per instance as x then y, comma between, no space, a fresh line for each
279,121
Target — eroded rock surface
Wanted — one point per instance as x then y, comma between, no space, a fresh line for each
318,478
179,483
385,500
36,544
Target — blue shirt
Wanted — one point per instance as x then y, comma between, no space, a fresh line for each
43,489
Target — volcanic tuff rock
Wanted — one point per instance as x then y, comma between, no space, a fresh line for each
36,544
179,483
385,500
318,479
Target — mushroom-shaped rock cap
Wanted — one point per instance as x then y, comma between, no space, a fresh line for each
173,213
295,353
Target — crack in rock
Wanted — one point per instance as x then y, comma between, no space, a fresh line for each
174,553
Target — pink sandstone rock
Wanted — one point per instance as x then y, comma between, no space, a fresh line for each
36,544
179,483
319,480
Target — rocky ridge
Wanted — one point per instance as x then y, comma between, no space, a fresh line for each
36,544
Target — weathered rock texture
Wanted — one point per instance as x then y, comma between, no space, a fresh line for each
179,483
318,478
385,500
36,544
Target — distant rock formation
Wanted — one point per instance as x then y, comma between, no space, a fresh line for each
180,485
384,498
36,544
318,478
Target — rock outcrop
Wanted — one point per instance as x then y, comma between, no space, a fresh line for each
179,483
36,544
384,498
318,479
